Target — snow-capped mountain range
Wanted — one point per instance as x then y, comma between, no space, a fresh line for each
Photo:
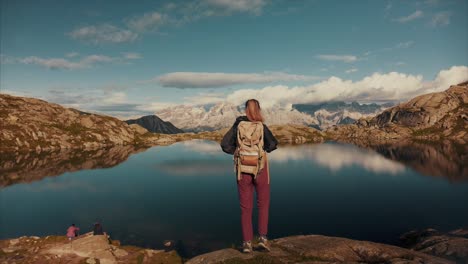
222,115
336,113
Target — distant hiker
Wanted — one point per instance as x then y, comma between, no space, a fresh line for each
249,140
97,230
72,232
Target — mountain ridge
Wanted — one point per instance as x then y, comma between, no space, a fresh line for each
155,124
211,117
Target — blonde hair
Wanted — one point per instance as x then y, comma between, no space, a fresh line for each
253,111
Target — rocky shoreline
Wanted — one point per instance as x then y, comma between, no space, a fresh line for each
86,248
423,246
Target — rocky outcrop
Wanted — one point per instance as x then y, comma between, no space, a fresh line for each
83,249
426,110
31,166
434,116
320,249
33,124
452,245
155,124
28,124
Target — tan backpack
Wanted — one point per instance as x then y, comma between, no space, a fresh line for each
249,156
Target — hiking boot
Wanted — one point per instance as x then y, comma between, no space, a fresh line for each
263,243
246,247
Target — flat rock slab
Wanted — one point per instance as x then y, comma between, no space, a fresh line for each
89,246
320,249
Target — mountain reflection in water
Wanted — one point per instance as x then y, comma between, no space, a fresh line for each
29,167
447,160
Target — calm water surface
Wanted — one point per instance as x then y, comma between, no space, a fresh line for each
187,192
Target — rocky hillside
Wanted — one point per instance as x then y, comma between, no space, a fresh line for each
32,124
155,124
433,116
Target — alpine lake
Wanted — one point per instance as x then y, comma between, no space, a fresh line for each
186,193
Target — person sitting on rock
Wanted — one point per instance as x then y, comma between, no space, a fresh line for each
97,230
72,231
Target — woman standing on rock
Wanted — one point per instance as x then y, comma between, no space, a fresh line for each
249,140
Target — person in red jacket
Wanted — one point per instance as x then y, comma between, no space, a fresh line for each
248,183
72,231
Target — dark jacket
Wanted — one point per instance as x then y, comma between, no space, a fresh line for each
229,142
97,230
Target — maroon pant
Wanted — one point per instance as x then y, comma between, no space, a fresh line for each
245,188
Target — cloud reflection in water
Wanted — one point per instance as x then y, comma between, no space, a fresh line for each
336,157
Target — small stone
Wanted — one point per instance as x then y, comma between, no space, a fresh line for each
120,253
91,261
14,241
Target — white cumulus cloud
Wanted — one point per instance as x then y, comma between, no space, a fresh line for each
391,86
445,78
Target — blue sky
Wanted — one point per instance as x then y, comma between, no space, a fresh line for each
126,58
